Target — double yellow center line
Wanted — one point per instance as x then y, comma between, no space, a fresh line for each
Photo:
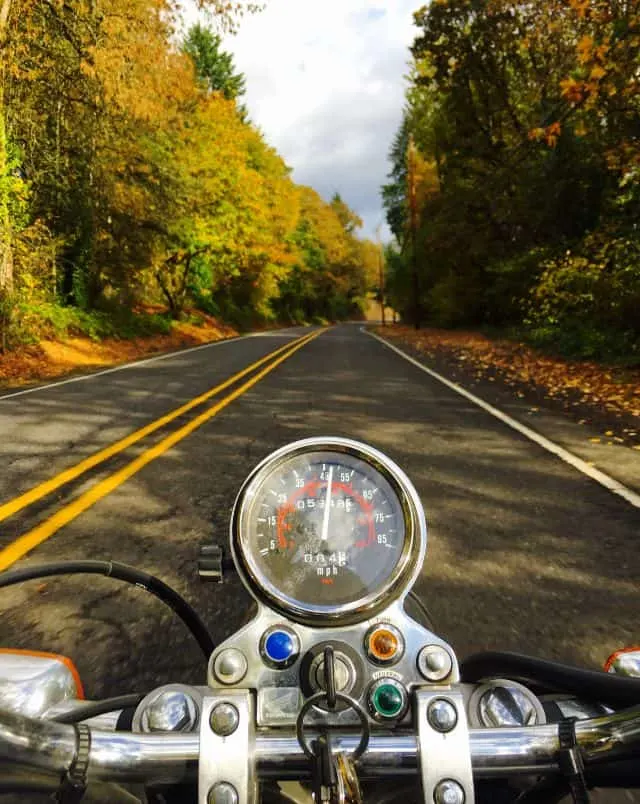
39,534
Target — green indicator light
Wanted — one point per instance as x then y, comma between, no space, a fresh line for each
388,700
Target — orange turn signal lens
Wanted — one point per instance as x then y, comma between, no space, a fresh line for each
383,645
625,662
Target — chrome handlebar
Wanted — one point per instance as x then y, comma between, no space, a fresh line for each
173,758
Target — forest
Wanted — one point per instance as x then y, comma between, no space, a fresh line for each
135,190
514,193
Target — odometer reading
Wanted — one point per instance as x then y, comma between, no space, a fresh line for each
324,529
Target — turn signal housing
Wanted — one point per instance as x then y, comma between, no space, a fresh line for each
32,682
624,662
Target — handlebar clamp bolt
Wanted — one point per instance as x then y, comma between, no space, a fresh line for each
448,792
171,711
224,719
223,793
442,715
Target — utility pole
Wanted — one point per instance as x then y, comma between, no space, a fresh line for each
381,276
412,193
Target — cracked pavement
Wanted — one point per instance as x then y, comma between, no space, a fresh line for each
524,554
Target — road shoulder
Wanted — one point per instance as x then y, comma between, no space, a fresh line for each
607,443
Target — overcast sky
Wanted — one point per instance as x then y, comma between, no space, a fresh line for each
325,83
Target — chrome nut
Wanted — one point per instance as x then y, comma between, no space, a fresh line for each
224,719
223,793
449,792
172,710
442,715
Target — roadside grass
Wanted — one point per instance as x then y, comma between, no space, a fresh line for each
47,320
57,341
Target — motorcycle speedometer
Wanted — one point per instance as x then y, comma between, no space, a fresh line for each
328,529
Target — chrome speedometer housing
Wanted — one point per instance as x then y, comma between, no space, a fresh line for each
290,558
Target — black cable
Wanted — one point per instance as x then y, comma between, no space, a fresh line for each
594,685
125,721
121,572
413,597
98,708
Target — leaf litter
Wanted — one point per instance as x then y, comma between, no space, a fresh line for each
592,393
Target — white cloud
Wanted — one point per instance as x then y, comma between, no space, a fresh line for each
325,84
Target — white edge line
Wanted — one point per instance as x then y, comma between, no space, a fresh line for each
132,365
603,479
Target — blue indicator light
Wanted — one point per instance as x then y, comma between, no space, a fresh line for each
279,646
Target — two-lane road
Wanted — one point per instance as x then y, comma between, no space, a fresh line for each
525,553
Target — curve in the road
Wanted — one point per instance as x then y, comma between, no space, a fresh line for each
28,541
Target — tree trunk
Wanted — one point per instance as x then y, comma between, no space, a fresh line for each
172,301
6,246
5,8
176,297
414,223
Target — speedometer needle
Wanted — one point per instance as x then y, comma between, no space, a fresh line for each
327,508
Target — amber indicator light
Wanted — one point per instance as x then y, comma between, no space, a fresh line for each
383,645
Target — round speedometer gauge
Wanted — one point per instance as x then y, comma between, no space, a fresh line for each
327,529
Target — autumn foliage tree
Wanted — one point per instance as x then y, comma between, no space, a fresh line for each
129,174
330,278
529,114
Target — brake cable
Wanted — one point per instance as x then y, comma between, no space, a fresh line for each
128,574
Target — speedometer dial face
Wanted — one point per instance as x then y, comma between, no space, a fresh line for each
323,531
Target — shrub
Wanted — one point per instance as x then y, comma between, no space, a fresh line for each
587,301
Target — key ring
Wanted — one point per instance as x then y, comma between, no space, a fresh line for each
352,704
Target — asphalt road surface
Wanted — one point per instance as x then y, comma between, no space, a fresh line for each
525,553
